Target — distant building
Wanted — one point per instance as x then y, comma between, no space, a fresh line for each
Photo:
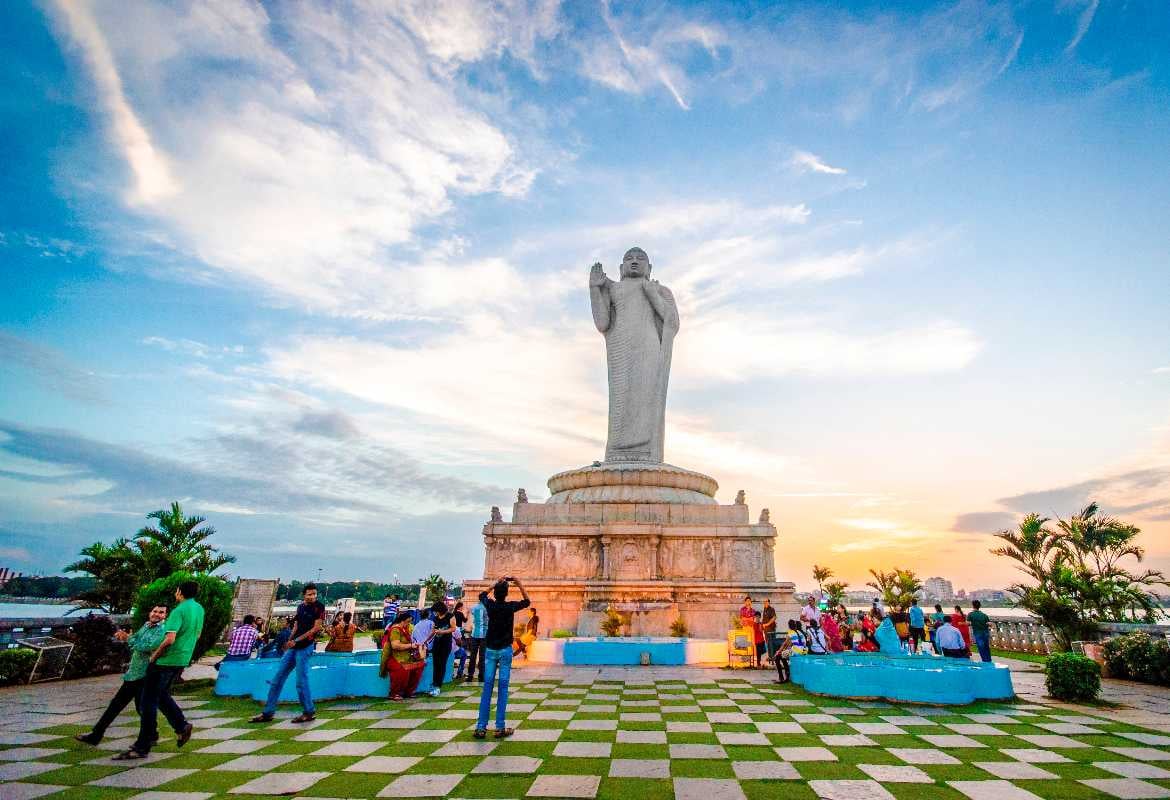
988,595
961,594
938,589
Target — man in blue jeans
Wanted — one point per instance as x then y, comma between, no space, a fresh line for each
497,646
298,650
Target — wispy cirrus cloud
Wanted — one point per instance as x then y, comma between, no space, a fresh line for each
48,367
1084,20
805,161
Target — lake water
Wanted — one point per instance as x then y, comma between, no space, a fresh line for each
21,610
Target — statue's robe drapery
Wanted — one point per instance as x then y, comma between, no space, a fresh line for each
638,345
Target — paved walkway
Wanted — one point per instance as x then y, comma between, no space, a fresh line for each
607,732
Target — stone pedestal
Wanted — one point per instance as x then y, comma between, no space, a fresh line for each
647,539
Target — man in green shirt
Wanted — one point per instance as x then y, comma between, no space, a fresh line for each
142,643
980,631
172,656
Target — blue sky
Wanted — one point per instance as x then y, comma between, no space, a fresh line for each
318,271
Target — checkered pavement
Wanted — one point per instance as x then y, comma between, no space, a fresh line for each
714,737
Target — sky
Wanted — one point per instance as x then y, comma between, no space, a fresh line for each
318,271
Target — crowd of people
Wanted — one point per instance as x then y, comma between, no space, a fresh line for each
825,630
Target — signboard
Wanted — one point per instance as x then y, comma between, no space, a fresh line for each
254,596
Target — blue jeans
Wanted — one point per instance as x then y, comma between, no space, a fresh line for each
501,661
298,659
983,643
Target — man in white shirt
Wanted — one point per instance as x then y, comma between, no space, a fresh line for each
949,639
810,613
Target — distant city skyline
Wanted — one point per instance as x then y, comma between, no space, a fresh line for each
318,271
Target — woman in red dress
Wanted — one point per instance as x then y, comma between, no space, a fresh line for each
959,620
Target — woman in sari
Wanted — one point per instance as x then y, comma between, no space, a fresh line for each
401,659
832,632
959,620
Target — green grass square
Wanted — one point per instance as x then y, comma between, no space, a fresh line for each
700,768
211,781
559,765
770,790
923,791
828,770
640,788
74,775
1061,790
95,793
445,765
494,786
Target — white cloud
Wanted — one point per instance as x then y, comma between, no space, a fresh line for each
333,137
152,176
805,161
1161,370
1084,22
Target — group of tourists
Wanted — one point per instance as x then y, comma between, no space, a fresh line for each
821,631
159,651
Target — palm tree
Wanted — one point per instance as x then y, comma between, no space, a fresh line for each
897,587
836,592
179,543
820,575
1031,544
436,586
118,568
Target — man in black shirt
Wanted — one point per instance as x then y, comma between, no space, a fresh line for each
298,650
497,646
440,644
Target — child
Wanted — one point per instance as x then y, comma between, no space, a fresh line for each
758,634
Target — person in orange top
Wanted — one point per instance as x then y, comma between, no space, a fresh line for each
341,635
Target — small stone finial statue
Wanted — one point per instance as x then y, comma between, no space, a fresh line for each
496,515
521,496
741,498
765,516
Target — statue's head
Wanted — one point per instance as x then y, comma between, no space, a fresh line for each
635,263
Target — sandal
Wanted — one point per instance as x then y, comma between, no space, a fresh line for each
130,755
261,718
303,718
502,732
480,733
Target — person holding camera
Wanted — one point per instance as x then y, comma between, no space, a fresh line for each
142,643
501,619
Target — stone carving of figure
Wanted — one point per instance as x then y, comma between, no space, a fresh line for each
521,496
765,516
496,515
639,319
741,498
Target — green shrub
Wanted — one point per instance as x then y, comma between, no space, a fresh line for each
215,595
1140,657
95,650
612,624
16,665
561,633
1072,677
679,628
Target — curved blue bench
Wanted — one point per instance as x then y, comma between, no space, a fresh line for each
904,678
625,650
330,675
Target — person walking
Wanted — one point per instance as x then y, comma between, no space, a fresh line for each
917,625
402,660
475,649
298,650
501,617
172,656
768,623
142,643
980,631
440,644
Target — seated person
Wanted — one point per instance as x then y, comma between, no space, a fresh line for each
341,634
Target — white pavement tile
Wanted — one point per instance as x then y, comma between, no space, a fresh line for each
708,789
280,783
847,740
850,790
907,721
776,727
142,778
742,738
729,717
399,722
565,786
1050,740
765,770
1035,756
886,773
537,734
1133,769
975,729
27,791
641,737
877,728
1127,788
29,753
688,727
954,740
325,735
1015,770
583,749
429,735
1065,727
349,749
805,754
421,786
507,764
639,768
255,763
384,764
1140,736
922,755
217,734
816,719
697,751
17,737
237,747
1141,753
992,790
593,725
157,795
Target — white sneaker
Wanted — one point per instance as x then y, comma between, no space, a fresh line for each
434,692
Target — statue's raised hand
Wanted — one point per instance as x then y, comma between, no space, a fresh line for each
652,288
597,275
